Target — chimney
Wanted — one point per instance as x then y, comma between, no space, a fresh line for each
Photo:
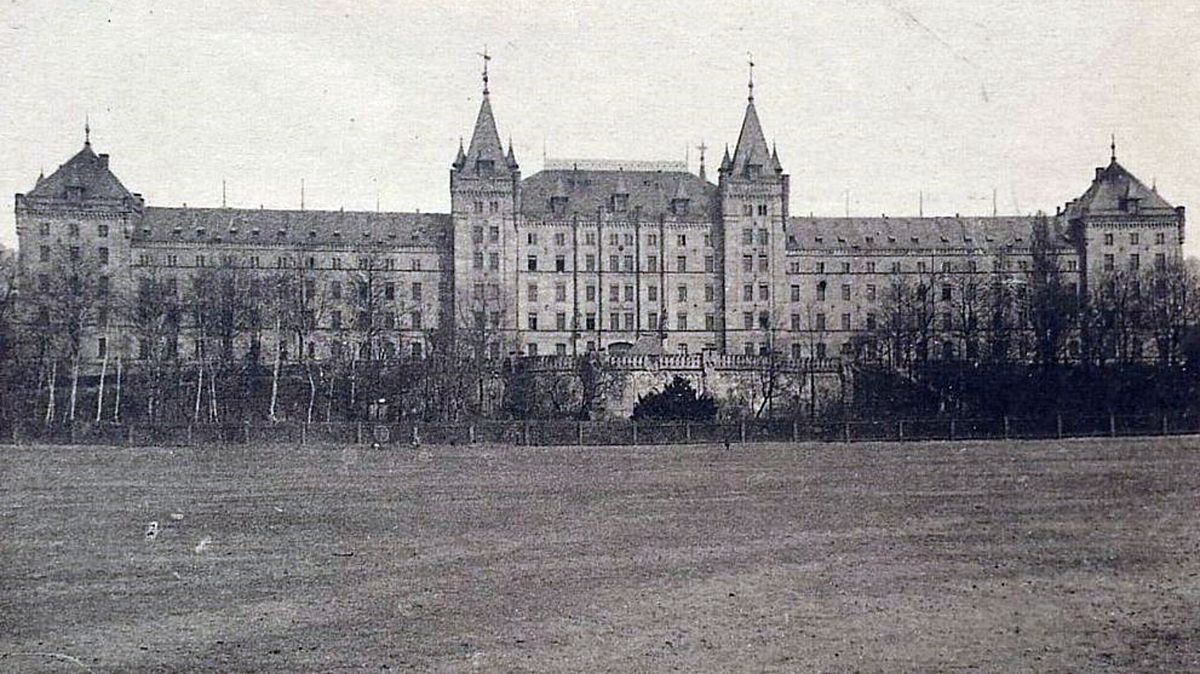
1099,170
103,161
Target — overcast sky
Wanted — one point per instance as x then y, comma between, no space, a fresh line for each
366,100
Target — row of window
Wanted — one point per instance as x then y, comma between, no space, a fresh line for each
74,253
589,237
616,263
281,262
923,266
533,292
1160,238
1135,261
44,229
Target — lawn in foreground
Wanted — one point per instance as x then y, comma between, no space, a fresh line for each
1034,556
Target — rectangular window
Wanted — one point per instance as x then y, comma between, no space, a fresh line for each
870,267
652,321
560,293
560,263
871,291
560,321
845,291
532,292
708,263
614,293
560,239
1135,262
589,321
747,263
795,293
389,290
629,320
1108,239
764,292
416,291
493,261
589,262
681,322
651,239
1133,238
947,292
614,321
747,237
845,321
747,320
1108,262
763,236
1160,238
681,263
682,293
628,261
762,262
101,347
710,322
820,321
795,322
494,233
589,239
870,321
560,349
102,253
102,231
531,237
477,260
709,293
590,293
651,263
613,263
532,321
682,240
820,267
477,234
652,293
821,291
1160,261
531,263
533,350
335,320
748,292
629,293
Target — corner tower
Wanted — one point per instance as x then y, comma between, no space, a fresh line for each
754,202
484,202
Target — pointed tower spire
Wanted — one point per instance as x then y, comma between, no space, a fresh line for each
702,147
461,158
750,59
485,154
511,159
87,131
1113,147
751,156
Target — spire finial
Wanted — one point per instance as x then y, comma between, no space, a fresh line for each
486,57
87,130
750,59
702,147
1113,147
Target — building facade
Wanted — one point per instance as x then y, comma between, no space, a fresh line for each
640,257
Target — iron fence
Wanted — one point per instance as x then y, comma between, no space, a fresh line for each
599,433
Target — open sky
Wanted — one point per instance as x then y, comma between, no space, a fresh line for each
366,100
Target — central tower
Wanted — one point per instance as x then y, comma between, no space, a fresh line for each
754,201
485,195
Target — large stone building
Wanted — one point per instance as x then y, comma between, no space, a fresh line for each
591,255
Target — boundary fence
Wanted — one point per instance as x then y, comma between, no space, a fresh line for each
597,433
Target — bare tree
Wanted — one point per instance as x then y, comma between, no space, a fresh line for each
154,313
1171,308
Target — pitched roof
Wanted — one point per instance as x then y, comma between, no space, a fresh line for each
485,143
589,191
969,233
752,144
1113,189
318,228
85,170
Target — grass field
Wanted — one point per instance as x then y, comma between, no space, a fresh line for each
1077,556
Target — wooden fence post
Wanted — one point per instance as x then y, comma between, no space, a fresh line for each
847,431
1005,426
471,434
1059,418
687,431
246,431
635,440
795,430
129,438
1112,425
1164,424
358,433
526,433
951,428
189,435
304,434
900,429
579,430
743,431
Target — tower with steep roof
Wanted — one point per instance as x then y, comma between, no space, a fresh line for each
485,192
754,211
80,219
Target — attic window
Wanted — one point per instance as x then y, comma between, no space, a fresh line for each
841,239
891,239
199,231
1020,239
558,205
366,235
967,239
990,239
233,231
484,166
391,235
620,202
870,239
679,206
945,240
254,232
916,239
820,239
337,233
281,233
312,233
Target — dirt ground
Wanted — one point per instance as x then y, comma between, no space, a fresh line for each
1071,556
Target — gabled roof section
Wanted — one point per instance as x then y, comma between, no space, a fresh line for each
247,226
752,144
589,192
1115,190
485,149
87,172
988,235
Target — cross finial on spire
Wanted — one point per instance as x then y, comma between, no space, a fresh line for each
702,147
486,57
750,59
1113,147
87,130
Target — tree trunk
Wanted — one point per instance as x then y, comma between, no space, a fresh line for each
275,372
212,397
312,392
74,387
50,386
100,391
199,393
117,402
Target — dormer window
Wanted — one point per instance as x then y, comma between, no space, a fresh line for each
75,192
558,205
753,171
679,206
484,166
620,203
199,231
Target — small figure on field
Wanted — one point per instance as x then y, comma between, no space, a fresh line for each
416,438
152,531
